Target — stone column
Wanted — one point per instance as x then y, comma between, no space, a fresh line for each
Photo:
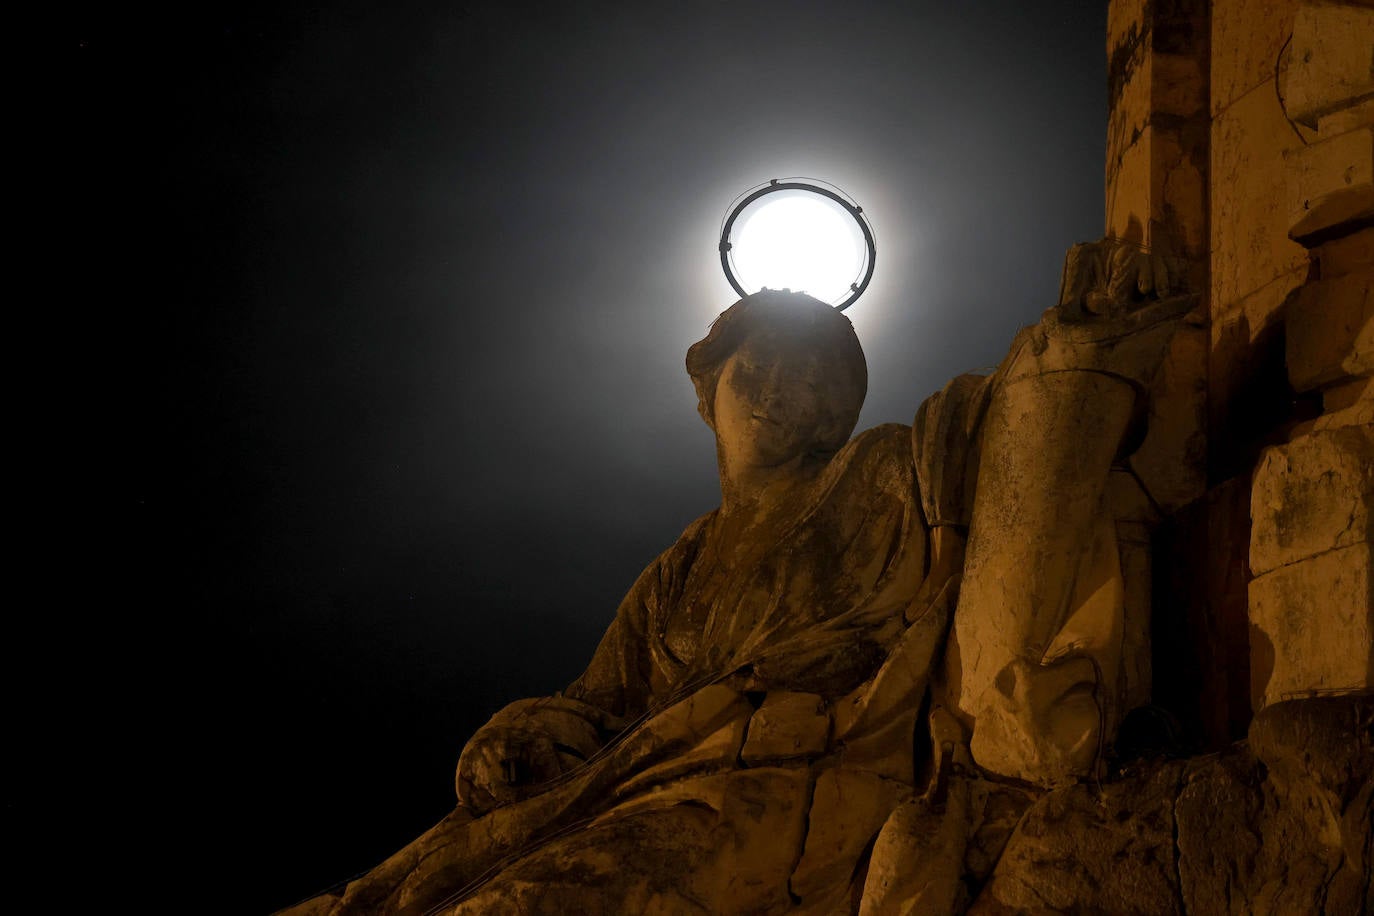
1156,197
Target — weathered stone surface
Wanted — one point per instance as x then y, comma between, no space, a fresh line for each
995,811
1180,84
709,729
1288,832
1076,851
1158,192
1330,326
1332,60
1246,40
996,624
1349,405
1129,181
1157,127
1332,184
728,848
918,857
1217,801
1249,181
787,725
1128,72
1349,394
848,808
1312,627
1036,660
1312,495
1326,739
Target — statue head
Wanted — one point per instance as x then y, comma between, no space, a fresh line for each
780,375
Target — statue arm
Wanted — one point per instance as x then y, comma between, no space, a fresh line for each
530,742
1061,407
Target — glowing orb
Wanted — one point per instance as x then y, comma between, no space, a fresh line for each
799,235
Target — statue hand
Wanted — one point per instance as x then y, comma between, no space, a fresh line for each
1110,279
1118,308
524,746
499,765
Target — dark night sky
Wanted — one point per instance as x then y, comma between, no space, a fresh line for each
392,305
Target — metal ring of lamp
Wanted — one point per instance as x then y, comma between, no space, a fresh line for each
813,186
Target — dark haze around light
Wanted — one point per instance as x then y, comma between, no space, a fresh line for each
414,389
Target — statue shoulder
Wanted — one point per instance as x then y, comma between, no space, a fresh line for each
873,453
944,447
666,573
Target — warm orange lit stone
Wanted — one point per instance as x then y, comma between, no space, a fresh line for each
1311,496
1313,626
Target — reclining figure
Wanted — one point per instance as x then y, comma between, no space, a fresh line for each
811,702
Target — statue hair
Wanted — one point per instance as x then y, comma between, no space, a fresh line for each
795,313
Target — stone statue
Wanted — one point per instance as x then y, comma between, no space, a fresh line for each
786,714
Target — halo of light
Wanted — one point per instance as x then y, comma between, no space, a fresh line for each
798,234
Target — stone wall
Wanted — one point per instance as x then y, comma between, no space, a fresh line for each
1310,600
1241,137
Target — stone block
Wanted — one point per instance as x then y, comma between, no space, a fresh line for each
1347,253
1128,57
1124,19
1250,842
1157,113
1250,180
1214,813
1128,189
1311,496
1178,194
1156,196
1333,183
1344,119
786,725
1247,36
1320,737
848,808
1077,851
1312,627
1130,83
1179,85
1330,331
1332,61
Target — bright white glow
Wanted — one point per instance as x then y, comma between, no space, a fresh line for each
799,241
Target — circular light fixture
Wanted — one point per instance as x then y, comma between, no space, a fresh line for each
798,234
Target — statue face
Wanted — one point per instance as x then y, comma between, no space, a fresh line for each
779,398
